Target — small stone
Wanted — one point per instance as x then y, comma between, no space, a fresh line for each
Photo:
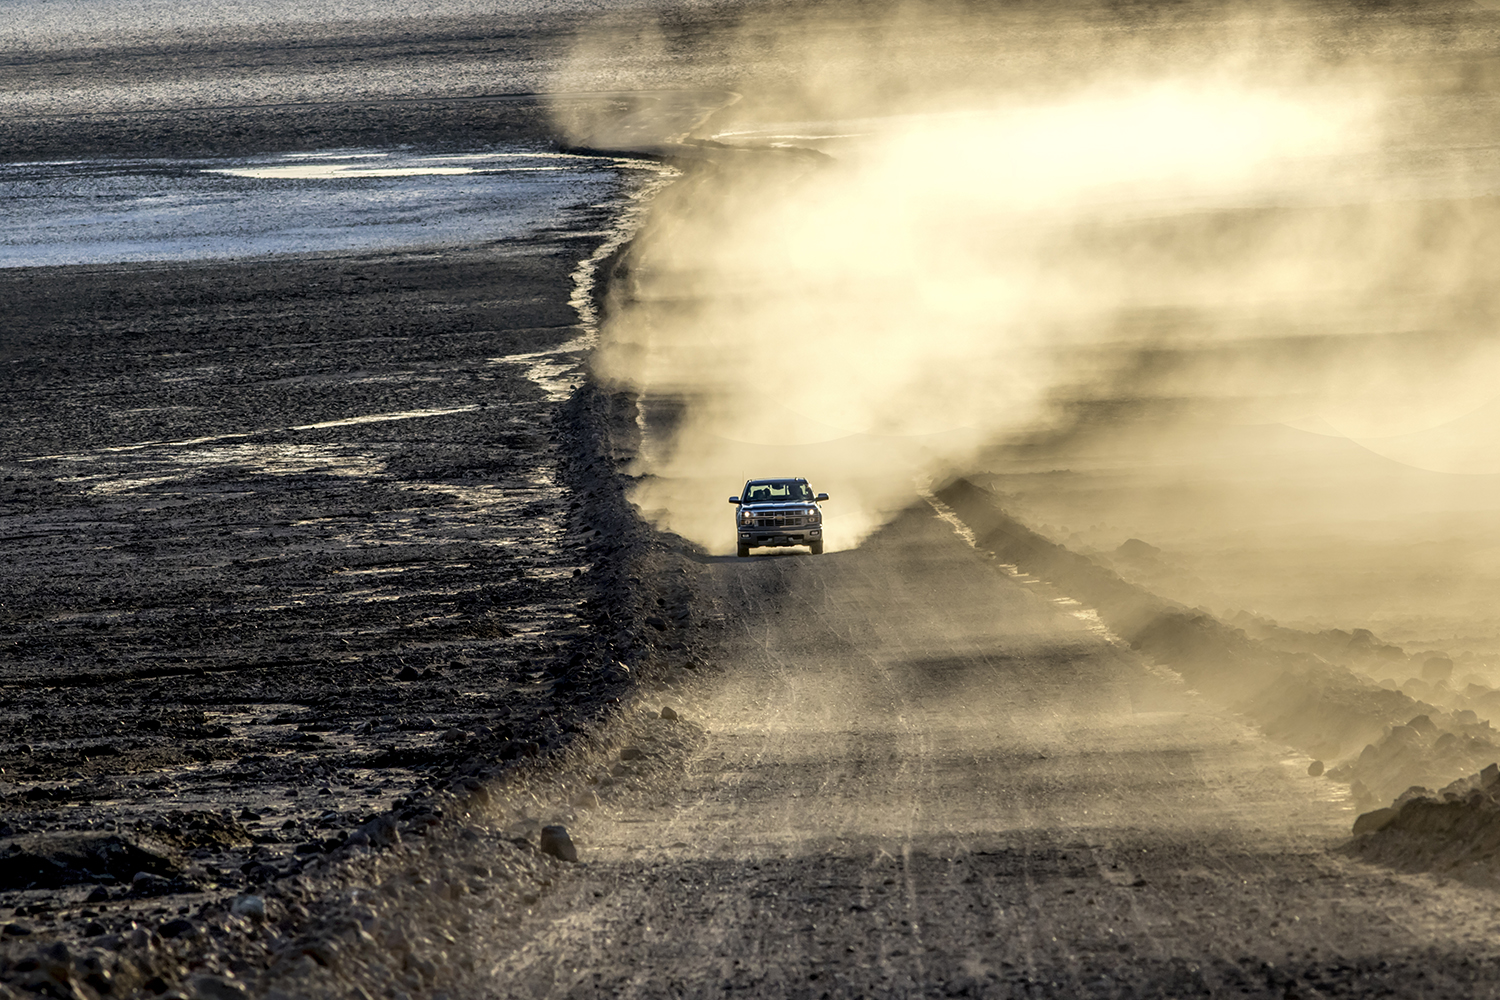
556,842
248,907
178,928
93,929
249,814
620,770
380,832
98,894
407,673
587,800
15,930
668,714
603,779
1424,725
1374,822
631,753
454,736
207,987
1315,769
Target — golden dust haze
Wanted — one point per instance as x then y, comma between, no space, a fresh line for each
1186,272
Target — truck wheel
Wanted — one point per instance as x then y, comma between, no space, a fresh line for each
744,550
817,548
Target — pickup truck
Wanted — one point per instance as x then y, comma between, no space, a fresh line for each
778,512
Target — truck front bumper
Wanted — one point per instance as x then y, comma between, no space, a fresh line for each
769,537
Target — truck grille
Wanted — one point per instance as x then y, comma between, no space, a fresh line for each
779,521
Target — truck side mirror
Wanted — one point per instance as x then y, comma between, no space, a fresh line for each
734,499
820,498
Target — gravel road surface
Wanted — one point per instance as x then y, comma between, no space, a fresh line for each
925,776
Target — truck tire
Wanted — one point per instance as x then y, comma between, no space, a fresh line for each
744,550
817,548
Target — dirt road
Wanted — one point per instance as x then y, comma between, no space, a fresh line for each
926,776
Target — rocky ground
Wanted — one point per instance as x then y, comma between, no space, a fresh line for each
291,546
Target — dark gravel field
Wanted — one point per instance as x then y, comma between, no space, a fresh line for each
289,545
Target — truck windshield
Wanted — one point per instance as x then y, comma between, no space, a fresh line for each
773,491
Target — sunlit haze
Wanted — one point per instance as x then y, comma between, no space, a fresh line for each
1096,263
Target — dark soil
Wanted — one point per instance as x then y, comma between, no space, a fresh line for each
232,639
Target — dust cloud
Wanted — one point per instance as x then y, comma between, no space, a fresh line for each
1190,255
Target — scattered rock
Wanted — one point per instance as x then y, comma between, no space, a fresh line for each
668,714
208,987
513,749
631,753
1437,670
1374,822
1134,548
179,928
556,842
379,833
53,860
454,736
99,894
1315,769
407,673
248,907
15,930
587,800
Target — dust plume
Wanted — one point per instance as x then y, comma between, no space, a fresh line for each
943,237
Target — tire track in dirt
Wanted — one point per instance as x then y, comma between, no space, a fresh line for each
921,774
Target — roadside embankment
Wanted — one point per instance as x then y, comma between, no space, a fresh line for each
1379,741
1453,832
